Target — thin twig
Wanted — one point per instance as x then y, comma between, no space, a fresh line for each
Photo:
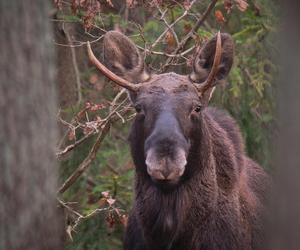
80,44
72,125
84,138
168,25
72,146
94,212
117,97
171,25
111,168
166,54
92,154
81,217
189,36
64,204
75,66
87,161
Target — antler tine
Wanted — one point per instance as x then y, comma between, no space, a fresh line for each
209,83
112,76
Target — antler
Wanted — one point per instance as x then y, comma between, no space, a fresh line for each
112,76
210,83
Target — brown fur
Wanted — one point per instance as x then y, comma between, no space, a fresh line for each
217,202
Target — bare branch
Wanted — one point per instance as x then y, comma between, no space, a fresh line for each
87,161
113,111
171,25
189,36
72,146
75,66
92,154
166,54
79,218
197,26
167,24
79,43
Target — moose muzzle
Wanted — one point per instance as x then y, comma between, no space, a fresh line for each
166,168
166,150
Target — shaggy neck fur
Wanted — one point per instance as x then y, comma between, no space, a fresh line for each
216,206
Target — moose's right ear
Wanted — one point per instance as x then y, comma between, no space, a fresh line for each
205,58
122,57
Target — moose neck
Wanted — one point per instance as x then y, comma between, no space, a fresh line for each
169,209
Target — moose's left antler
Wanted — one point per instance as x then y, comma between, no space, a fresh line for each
112,76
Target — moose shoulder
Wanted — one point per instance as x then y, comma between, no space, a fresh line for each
195,188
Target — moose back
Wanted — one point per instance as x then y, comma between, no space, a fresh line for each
195,188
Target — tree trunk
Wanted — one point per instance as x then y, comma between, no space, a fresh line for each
286,207
28,209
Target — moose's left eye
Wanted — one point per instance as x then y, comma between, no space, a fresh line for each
198,108
138,108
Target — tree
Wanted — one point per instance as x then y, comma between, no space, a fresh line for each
28,213
285,219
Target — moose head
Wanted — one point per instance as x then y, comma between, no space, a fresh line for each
169,106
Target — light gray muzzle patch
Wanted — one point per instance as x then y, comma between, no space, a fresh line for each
166,168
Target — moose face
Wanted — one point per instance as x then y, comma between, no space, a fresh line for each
165,106
168,105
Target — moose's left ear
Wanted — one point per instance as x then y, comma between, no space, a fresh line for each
122,57
205,58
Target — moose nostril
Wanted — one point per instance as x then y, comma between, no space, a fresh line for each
165,173
157,174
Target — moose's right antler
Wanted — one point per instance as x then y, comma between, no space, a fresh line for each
210,81
112,76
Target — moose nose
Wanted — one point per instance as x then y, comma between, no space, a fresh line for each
160,174
165,168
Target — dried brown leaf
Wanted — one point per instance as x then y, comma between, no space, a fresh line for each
58,4
111,201
72,135
187,4
93,106
110,3
87,130
110,221
228,5
124,220
93,79
102,202
170,41
219,17
257,9
241,4
187,28
154,3
131,3
105,194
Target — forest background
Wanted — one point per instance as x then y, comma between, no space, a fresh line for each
96,170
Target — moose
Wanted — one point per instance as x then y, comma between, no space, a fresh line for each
195,188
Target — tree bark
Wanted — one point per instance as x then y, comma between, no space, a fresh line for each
28,209
284,232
